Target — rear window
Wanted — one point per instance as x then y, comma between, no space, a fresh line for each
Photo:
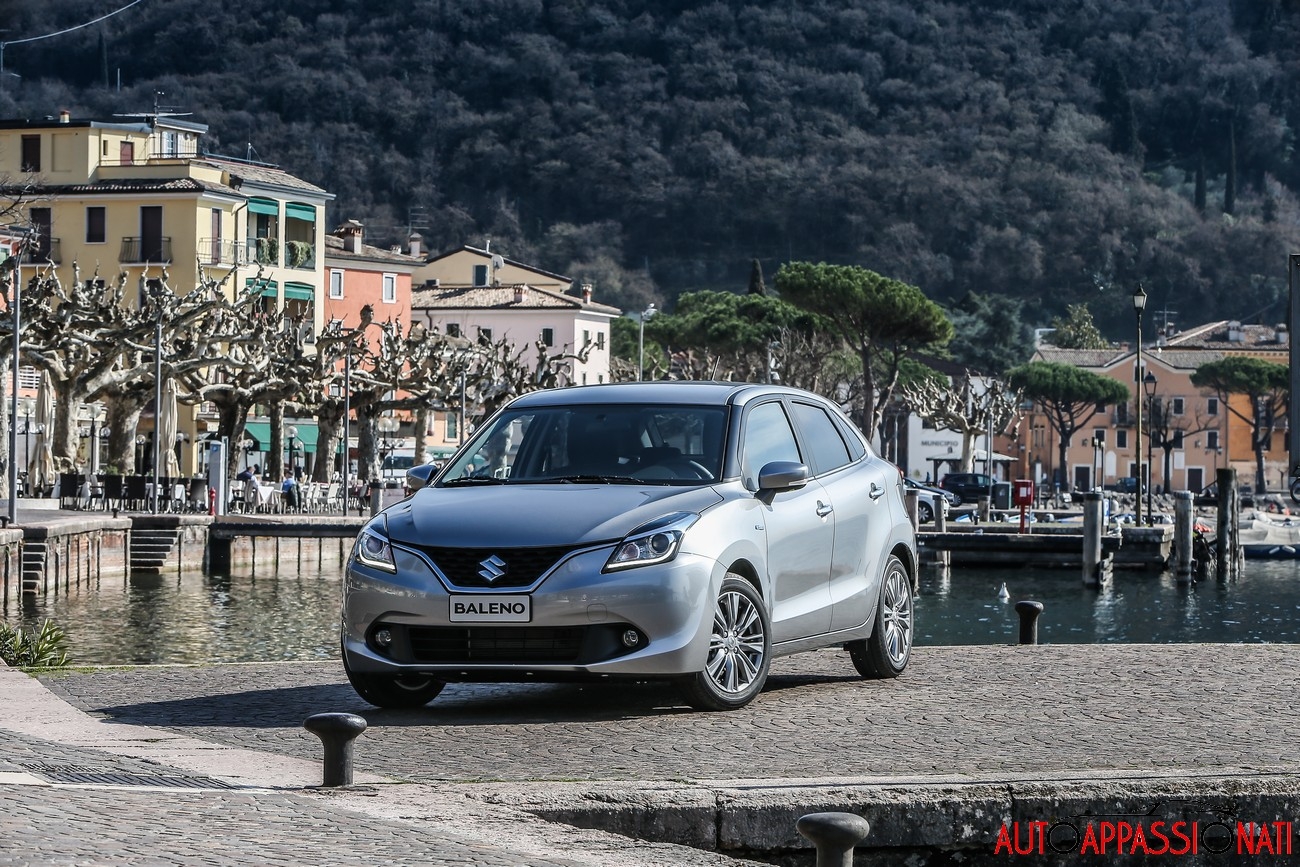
400,463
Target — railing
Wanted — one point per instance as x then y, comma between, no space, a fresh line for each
46,251
300,254
135,250
215,251
263,251
117,161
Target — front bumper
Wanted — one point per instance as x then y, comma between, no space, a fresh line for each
578,618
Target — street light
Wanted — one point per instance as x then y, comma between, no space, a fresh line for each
1149,387
29,406
95,411
647,313
292,432
1139,304
1098,451
388,425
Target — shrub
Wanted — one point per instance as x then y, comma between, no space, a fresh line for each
47,648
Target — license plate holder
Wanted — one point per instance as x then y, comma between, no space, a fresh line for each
484,608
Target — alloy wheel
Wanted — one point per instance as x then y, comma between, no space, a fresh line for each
736,646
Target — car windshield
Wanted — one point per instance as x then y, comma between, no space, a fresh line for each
666,444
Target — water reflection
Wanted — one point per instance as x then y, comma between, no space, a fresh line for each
242,617
1136,608
195,618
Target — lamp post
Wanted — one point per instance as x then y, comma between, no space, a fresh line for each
16,299
96,412
647,313
1098,451
347,427
292,432
388,426
29,406
1139,304
1149,388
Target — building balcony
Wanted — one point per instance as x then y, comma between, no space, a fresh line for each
145,251
46,251
215,251
262,251
300,254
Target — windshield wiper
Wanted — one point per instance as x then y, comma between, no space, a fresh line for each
473,480
589,478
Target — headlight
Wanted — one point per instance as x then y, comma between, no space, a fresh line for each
372,548
655,542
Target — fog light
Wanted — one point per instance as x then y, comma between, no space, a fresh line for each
383,637
631,638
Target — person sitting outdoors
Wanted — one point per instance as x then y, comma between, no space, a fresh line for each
289,492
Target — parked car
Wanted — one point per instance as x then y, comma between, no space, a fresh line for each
924,509
688,531
1124,485
392,470
969,486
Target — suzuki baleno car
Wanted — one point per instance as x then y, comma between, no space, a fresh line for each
683,530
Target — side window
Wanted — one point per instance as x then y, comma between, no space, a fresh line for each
825,445
768,437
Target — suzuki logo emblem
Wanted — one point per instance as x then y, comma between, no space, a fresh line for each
493,568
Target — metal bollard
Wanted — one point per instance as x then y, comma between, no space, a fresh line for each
337,731
834,835
1029,612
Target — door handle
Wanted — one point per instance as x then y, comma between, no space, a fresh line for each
876,491
824,509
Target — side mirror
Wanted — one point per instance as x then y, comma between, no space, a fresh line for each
418,477
782,476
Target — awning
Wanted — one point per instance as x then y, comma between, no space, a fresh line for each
296,211
260,433
269,287
264,206
299,291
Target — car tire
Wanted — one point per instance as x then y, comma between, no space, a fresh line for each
924,512
393,690
886,653
740,650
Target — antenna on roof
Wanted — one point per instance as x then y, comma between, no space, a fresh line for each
497,264
159,110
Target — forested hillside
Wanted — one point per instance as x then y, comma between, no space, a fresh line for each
1057,151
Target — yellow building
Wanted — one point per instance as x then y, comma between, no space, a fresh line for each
141,196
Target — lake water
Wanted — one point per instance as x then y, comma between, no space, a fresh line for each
196,618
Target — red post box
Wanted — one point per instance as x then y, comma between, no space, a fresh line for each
1022,493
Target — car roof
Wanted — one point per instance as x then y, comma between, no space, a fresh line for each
662,391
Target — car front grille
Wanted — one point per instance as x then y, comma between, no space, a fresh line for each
523,566
497,644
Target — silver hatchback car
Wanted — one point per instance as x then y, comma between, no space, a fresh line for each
685,530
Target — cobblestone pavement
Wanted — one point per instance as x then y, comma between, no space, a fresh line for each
975,713
458,782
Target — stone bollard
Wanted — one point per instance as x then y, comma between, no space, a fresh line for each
834,835
940,507
337,731
376,496
1029,612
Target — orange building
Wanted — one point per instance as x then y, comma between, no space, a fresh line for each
1200,433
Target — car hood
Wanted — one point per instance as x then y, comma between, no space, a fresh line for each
536,515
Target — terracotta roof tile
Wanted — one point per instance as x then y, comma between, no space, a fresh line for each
335,248
501,298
